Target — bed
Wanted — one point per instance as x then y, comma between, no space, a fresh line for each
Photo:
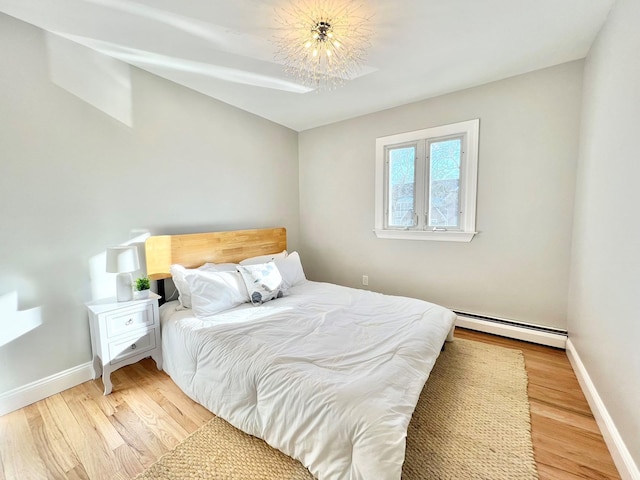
329,375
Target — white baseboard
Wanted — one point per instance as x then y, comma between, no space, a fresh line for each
35,391
621,456
550,339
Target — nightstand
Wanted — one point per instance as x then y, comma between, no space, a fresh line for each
123,333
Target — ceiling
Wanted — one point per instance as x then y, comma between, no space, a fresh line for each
419,48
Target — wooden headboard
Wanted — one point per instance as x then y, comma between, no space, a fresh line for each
193,250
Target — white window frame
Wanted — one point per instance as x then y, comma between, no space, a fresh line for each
469,131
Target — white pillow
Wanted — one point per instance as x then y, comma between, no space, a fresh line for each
214,292
291,270
264,258
180,273
220,267
263,282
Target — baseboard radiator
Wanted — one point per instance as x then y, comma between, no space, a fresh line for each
542,335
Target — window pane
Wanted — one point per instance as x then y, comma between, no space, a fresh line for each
402,166
444,183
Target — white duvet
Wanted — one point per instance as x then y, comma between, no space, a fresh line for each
329,375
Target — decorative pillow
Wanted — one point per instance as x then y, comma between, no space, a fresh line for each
263,281
264,258
179,275
291,270
214,292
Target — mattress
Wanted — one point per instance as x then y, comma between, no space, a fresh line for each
329,375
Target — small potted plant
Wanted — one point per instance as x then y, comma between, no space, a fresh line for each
142,287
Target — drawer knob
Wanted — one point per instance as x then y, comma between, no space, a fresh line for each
129,322
133,347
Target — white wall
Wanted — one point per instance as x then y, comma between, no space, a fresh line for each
517,267
604,302
73,180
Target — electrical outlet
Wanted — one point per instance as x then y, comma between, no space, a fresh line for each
365,280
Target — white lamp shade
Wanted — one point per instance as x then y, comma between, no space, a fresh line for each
122,259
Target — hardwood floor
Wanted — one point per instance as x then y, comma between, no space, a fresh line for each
567,443
81,434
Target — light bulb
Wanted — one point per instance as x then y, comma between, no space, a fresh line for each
315,52
328,53
308,44
337,44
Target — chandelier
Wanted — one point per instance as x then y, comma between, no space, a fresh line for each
322,43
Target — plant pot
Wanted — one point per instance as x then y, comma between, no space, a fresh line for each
142,294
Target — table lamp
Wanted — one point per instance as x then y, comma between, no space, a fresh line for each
123,260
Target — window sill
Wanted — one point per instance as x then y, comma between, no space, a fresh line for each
448,236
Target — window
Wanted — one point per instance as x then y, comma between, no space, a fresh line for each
426,183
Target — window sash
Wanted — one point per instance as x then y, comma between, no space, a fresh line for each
429,204
422,187
389,210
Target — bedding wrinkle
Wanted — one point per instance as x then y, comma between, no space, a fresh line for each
328,375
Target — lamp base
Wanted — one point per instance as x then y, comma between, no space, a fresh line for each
124,287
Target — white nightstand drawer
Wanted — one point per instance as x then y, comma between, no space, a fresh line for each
119,351
129,320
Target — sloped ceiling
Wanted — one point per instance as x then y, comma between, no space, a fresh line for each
420,48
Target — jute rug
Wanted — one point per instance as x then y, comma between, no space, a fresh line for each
471,422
